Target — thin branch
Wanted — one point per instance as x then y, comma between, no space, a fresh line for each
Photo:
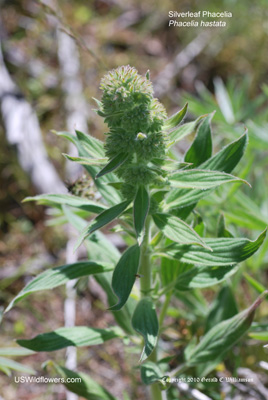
163,81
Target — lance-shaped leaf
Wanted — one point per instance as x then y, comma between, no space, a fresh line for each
6,365
202,277
90,146
151,373
201,148
201,179
140,210
255,284
171,269
77,336
228,157
145,322
224,101
259,335
177,230
123,316
184,198
221,229
222,336
100,248
82,384
225,251
85,160
101,220
113,164
55,277
223,307
124,275
225,160
93,146
182,131
68,200
175,119
15,352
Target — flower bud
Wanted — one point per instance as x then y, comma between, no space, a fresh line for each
135,119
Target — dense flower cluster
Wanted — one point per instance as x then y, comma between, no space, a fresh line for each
135,119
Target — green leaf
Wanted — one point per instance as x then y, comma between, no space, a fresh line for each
68,200
85,387
63,337
85,160
175,119
182,131
201,179
255,284
224,101
124,275
223,307
221,230
67,135
202,277
98,246
93,146
113,164
15,352
245,219
98,102
123,316
259,335
177,230
201,148
145,322
101,220
171,269
5,370
151,373
140,210
184,198
225,160
89,146
54,277
228,157
222,336
8,364
225,251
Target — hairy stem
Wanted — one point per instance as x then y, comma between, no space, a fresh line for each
145,265
156,393
146,282
164,309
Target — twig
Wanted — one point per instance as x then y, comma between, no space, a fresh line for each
70,311
163,81
254,381
193,393
23,131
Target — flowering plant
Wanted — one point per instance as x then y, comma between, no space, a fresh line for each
153,197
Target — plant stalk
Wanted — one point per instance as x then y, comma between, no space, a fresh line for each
164,309
145,287
145,265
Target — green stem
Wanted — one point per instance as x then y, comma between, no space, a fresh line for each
145,282
145,265
164,309
156,393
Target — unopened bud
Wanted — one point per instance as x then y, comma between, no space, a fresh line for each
141,136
